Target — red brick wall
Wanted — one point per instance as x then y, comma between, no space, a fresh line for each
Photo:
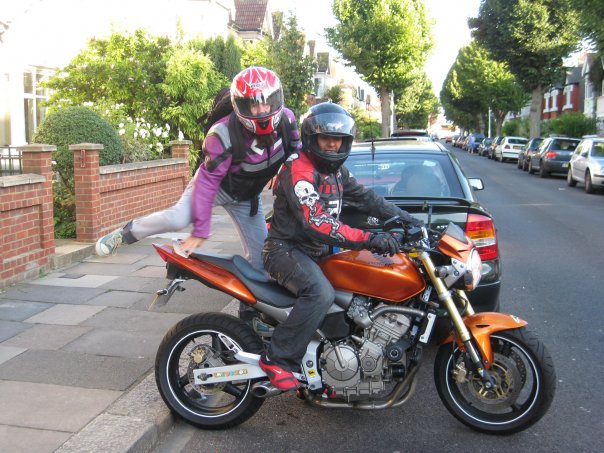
26,217
108,197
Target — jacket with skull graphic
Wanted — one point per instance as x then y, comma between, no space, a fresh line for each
308,203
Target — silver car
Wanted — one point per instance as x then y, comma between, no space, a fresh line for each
587,164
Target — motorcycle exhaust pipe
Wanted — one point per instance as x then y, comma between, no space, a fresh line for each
265,389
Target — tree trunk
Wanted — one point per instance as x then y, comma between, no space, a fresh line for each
386,113
535,113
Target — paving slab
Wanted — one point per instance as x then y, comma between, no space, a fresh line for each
73,280
138,284
18,310
50,294
9,329
123,257
150,272
52,407
15,439
8,352
46,336
134,320
74,369
113,269
66,315
117,344
122,299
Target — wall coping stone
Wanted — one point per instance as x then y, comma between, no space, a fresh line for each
20,180
86,146
36,148
109,169
180,142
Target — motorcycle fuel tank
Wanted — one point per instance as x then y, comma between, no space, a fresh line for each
394,278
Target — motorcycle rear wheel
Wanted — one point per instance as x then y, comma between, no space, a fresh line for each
524,390
193,343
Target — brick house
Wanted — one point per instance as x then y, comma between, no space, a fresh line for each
564,97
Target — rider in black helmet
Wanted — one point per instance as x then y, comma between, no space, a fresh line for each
309,191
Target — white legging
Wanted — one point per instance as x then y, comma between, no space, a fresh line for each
251,229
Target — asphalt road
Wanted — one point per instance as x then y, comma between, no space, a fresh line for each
550,238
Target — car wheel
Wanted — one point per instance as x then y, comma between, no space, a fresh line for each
519,164
543,173
531,170
569,178
525,165
589,187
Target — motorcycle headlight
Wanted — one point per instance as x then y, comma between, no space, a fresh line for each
473,270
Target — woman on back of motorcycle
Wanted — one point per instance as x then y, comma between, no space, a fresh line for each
309,191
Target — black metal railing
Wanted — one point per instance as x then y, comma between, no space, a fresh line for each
10,161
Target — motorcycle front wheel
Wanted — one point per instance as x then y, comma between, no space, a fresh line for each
200,341
524,389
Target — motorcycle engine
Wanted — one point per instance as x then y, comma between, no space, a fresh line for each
359,366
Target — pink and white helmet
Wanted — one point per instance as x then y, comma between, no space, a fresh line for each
257,99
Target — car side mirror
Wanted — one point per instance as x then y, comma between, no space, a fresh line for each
476,183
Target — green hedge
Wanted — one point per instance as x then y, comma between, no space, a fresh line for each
69,126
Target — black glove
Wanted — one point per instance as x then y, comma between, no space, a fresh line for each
406,217
383,244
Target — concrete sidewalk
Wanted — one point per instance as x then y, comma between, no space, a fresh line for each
77,348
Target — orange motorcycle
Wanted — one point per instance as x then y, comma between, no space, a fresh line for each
490,371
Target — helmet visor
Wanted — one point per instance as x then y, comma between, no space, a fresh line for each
331,123
260,105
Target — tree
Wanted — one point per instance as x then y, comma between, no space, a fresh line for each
416,103
295,69
257,53
591,21
226,55
334,94
384,40
533,37
125,69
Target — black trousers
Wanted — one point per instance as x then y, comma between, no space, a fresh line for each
301,275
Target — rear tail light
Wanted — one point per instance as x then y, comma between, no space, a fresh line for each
481,230
506,147
550,155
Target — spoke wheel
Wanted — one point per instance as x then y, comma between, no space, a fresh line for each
204,341
524,387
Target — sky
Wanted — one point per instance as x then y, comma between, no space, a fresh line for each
450,29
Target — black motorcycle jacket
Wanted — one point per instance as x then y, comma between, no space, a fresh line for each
308,203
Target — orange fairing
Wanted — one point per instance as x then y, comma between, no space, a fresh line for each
207,272
393,278
482,325
454,248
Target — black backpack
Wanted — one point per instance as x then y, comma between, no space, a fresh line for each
222,107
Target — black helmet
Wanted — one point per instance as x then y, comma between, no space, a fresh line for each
327,119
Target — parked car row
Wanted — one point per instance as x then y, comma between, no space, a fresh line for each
580,160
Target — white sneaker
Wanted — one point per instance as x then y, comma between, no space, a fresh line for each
109,243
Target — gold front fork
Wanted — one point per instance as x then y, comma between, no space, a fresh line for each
444,295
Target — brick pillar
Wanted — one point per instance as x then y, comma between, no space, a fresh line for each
37,159
87,194
180,149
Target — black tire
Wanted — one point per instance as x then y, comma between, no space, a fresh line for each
543,173
525,165
519,164
217,406
589,186
569,178
526,384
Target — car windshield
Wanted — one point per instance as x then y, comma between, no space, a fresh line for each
517,141
406,175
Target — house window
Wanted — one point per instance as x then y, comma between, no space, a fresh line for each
554,97
34,94
568,102
546,102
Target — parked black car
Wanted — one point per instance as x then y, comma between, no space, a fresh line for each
525,153
427,180
552,156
